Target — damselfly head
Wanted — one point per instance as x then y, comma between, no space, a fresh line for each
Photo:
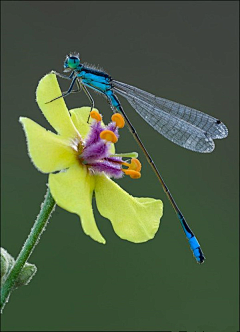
71,62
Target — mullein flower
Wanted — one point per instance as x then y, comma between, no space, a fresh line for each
81,160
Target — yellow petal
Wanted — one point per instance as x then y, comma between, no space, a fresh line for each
80,119
48,151
133,219
72,190
55,112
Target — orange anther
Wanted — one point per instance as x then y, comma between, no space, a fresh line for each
118,118
95,115
109,136
135,165
133,174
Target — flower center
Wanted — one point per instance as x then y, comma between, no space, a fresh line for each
96,152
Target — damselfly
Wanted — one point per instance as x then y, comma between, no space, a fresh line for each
185,126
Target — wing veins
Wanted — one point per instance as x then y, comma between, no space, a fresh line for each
196,119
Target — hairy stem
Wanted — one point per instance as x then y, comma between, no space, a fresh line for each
47,208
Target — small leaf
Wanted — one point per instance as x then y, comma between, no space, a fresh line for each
26,275
7,262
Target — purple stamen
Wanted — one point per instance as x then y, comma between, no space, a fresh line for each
94,133
112,126
110,169
96,151
114,159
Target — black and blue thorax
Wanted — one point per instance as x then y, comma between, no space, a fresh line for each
98,81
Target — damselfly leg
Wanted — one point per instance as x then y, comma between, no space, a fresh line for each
70,90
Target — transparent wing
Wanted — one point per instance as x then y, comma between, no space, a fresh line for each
185,126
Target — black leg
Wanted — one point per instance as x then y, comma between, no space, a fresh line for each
90,99
63,76
79,87
65,93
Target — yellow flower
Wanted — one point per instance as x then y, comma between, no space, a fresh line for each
72,181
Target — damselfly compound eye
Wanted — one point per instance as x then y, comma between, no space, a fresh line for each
72,62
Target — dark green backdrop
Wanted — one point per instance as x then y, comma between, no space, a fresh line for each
183,51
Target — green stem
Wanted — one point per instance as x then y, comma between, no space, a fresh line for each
47,208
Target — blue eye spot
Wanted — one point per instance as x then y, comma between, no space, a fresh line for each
72,62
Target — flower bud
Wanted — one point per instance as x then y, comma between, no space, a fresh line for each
7,262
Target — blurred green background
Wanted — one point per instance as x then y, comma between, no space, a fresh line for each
182,51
